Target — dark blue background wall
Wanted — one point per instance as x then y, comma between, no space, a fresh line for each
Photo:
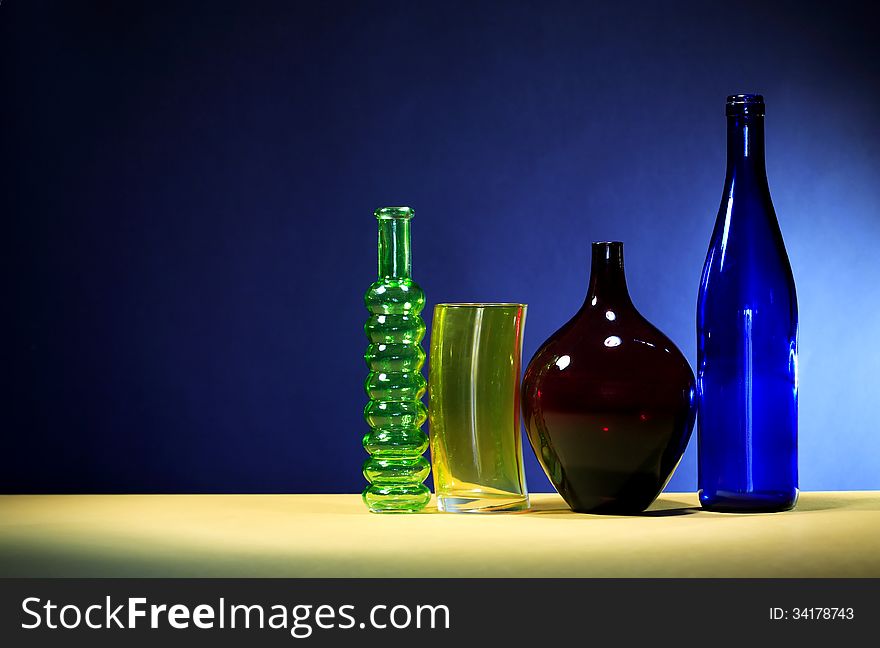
187,190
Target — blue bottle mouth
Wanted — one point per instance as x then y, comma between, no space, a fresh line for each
745,104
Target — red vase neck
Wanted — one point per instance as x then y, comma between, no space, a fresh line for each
607,276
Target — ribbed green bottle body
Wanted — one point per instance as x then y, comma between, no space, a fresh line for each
395,385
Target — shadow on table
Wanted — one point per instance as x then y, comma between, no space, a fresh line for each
662,507
848,501
670,507
665,506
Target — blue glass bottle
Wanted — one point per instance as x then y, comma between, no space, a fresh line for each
747,337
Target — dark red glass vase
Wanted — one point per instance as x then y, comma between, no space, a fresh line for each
608,400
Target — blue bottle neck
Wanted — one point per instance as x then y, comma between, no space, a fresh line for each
745,150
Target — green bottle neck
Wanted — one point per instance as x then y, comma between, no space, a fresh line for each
395,259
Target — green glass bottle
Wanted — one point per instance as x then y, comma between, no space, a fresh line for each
395,385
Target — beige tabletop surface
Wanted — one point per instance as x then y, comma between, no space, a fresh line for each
829,534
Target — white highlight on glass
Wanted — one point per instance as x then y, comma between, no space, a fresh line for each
472,401
610,316
726,225
613,341
748,387
563,362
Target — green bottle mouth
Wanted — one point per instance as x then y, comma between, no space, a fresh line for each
394,213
